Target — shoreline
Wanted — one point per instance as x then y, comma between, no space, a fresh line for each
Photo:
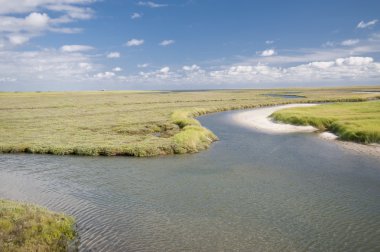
259,120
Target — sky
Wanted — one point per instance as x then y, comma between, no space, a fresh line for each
49,45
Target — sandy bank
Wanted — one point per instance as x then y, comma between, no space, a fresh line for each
259,120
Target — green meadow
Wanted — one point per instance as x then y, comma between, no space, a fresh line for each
134,123
351,121
26,227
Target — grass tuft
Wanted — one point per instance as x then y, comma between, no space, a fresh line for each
26,227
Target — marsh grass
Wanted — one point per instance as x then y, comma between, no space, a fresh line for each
26,227
132,123
358,122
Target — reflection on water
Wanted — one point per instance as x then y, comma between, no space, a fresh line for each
249,192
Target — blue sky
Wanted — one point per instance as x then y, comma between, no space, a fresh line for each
187,44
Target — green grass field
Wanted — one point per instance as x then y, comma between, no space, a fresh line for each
133,123
351,121
26,227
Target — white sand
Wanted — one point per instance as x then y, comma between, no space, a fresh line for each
259,120
328,135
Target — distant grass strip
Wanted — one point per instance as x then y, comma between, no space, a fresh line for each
26,227
357,122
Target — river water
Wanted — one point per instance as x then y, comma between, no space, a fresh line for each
249,192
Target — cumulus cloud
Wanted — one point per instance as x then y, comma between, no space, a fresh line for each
269,42
354,61
17,39
113,55
76,48
322,64
34,22
348,69
134,42
191,68
363,25
167,42
161,74
58,67
104,75
165,70
350,42
268,52
37,20
31,19
7,79
151,4
72,12
22,6
52,66
136,15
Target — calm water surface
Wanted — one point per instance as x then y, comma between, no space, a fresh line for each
249,192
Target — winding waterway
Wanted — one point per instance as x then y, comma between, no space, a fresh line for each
249,192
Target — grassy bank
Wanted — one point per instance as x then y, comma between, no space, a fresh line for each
26,227
133,123
351,121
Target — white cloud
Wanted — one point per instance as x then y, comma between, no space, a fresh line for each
269,42
72,12
24,6
363,24
113,55
85,65
143,65
29,17
354,61
7,79
151,4
191,68
34,22
165,70
161,74
55,66
304,55
268,52
167,42
340,70
16,39
76,48
52,66
67,30
104,75
37,20
136,15
350,42
322,64
347,69
134,42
